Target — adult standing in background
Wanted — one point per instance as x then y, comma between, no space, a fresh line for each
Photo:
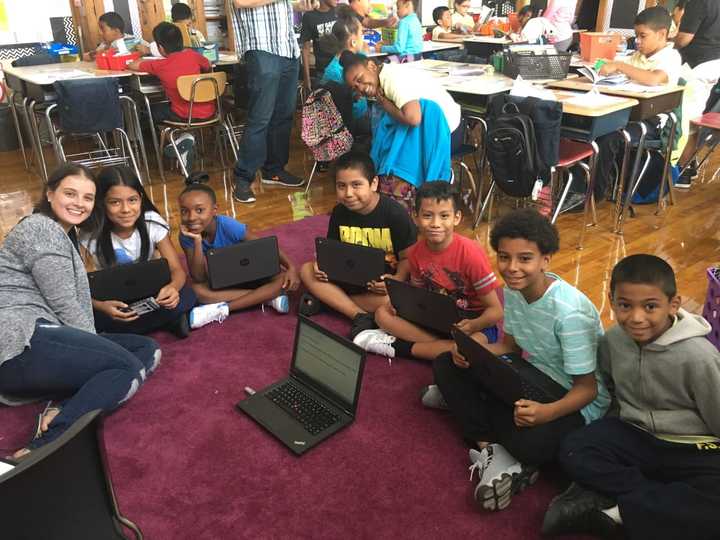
561,13
265,40
699,36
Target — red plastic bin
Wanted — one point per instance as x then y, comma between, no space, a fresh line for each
711,310
594,45
101,60
115,62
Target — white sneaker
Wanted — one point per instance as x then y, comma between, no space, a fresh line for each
205,314
433,399
280,303
500,476
376,342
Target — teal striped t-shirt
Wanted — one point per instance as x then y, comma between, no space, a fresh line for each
560,333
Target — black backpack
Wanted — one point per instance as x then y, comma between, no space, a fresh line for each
511,151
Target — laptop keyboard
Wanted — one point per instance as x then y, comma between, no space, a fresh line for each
313,416
532,392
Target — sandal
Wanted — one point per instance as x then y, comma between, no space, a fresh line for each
38,428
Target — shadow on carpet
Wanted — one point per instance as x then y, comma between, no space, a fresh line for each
186,465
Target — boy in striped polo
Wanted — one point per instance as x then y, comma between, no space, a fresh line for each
445,262
558,328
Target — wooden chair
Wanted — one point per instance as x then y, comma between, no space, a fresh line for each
202,88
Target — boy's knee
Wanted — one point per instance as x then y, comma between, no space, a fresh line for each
383,315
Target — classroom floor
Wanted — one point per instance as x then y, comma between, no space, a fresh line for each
687,235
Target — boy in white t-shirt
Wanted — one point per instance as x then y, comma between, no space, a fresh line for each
654,63
444,29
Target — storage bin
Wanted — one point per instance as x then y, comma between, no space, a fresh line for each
711,310
594,45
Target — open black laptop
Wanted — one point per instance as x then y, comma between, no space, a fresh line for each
349,263
428,309
508,377
320,395
129,282
246,262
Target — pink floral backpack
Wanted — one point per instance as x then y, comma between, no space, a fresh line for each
323,130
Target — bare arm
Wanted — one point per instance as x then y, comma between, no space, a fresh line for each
643,76
409,114
306,64
683,39
530,413
177,273
195,257
492,313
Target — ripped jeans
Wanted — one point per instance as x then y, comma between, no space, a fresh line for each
84,371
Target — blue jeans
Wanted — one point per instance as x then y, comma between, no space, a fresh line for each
150,321
86,371
272,95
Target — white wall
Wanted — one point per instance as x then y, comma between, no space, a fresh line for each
29,20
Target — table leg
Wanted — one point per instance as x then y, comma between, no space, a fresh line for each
667,177
151,122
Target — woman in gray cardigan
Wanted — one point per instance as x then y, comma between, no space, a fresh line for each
48,344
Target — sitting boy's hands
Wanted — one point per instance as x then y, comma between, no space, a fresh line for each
608,68
468,326
378,286
292,279
531,413
319,274
116,309
186,232
458,359
168,297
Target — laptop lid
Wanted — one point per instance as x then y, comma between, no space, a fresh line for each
349,263
129,282
248,261
329,364
427,308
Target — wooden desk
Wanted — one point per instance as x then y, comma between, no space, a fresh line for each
649,103
427,47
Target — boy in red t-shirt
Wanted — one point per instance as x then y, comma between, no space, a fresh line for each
176,63
445,262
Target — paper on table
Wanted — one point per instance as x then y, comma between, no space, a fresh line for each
635,87
523,88
593,98
5,467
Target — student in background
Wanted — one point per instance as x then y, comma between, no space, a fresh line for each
652,468
133,231
365,217
316,24
203,229
558,328
399,91
561,14
48,345
362,12
177,62
445,262
461,19
112,33
698,37
346,35
409,36
534,29
654,63
443,20
182,15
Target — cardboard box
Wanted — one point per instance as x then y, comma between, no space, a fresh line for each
594,45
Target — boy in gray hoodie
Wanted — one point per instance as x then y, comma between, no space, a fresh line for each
654,465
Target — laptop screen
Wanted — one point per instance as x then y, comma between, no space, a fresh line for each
328,362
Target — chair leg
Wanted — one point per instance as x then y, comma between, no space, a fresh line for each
231,140
13,110
666,179
161,161
589,203
565,192
485,204
183,169
620,185
312,173
126,141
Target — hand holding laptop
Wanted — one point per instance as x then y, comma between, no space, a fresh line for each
116,309
319,274
458,359
378,286
168,297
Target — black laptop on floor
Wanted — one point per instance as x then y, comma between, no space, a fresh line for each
246,262
129,282
320,395
508,377
428,309
349,263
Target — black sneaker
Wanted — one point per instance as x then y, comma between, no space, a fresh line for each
309,305
579,511
573,203
362,321
686,178
181,327
243,193
282,178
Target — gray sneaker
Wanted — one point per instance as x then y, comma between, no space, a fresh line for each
500,476
432,398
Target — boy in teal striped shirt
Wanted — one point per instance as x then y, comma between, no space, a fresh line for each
558,328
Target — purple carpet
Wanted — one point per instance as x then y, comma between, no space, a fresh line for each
185,464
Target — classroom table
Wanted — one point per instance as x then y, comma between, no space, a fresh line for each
35,84
427,48
649,105
485,46
582,119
